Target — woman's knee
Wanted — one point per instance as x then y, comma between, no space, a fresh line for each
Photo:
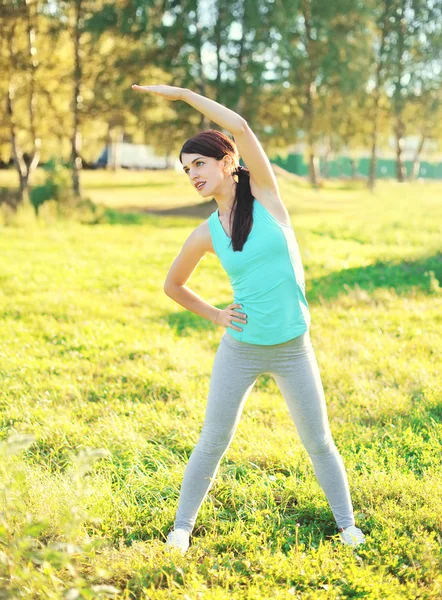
214,441
320,445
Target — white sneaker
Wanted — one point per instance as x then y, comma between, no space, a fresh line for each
178,538
352,536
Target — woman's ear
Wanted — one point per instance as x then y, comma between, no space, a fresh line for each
227,164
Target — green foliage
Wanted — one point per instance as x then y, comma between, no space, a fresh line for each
263,56
57,186
56,191
29,561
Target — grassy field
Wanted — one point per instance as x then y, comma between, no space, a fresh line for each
104,381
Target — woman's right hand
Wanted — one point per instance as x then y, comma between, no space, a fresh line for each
229,314
169,92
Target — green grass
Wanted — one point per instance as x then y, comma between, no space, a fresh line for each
93,355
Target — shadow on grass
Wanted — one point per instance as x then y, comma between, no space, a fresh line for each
158,217
424,274
185,323
202,210
117,217
112,186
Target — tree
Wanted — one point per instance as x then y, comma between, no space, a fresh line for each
321,43
382,14
220,48
414,44
19,28
424,115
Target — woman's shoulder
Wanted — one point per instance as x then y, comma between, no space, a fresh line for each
203,230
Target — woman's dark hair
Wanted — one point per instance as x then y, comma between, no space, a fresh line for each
215,144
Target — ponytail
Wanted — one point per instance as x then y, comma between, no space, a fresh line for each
242,208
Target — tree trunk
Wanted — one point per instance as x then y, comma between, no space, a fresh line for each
32,53
24,189
374,137
118,141
204,120
310,90
240,83
353,168
17,154
313,168
310,141
376,99
325,171
400,171
109,149
25,169
76,136
218,46
115,136
416,163
398,98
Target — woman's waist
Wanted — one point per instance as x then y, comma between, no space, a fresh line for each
271,310
265,292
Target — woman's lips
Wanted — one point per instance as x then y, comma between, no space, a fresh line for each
200,187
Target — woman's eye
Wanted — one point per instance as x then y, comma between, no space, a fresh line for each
199,162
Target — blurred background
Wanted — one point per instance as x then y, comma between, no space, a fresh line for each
333,90
104,378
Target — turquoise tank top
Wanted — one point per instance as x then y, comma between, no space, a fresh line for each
267,279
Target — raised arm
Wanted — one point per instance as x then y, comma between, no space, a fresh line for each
262,176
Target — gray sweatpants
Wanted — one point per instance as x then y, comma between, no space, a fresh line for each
236,368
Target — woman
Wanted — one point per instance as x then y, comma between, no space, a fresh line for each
267,325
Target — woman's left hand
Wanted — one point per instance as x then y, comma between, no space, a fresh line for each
165,91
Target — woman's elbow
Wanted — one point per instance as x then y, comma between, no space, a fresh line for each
168,288
241,127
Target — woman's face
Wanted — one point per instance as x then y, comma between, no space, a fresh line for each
205,173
